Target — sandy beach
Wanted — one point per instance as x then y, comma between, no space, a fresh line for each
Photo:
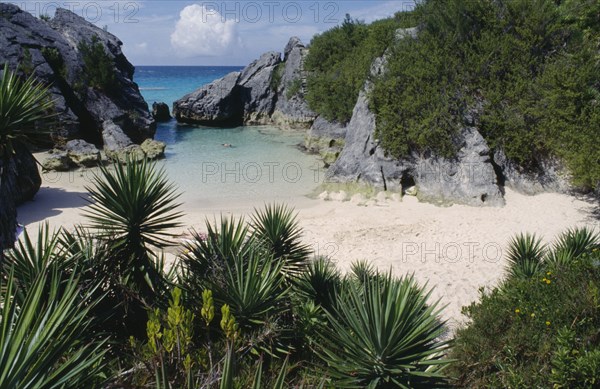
456,250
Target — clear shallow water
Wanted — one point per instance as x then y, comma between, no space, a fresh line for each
263,164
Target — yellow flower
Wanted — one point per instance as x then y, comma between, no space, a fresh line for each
549,273
544,279
533,315
548,282
517,311
547,323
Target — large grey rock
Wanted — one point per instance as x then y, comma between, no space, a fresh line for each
291,108
550,176
256,91
259,94
217,103
82,153
160,112
467,179
28,42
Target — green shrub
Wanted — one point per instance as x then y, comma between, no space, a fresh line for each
534,332
339,62
55,60
293,88
531,66
99,65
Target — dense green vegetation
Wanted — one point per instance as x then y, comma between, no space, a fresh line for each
539,328
339,61
529,69
99,66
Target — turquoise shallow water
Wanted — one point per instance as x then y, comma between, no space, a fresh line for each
263,164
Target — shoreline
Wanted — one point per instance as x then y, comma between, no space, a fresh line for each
454,249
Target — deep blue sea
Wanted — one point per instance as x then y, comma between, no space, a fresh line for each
264,163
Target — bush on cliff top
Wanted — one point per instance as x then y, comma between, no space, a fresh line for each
529,67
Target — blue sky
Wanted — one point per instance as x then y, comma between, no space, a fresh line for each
173,32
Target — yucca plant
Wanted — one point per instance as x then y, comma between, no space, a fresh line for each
276,228
525,256
133,206
25,108
252,287
319,283
383,334
572,244
42,337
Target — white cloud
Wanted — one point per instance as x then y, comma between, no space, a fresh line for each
203,32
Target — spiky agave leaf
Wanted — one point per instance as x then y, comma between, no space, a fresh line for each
252,288
134,205
25,107
42,338
276,228
572,244
204,257
383,333
525,256
319,283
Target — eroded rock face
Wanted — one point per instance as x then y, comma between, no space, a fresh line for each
550,176
217,103
50,51
291,109
326,139
28,176
256,91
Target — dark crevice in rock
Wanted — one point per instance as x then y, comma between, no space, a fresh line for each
383,179
500,177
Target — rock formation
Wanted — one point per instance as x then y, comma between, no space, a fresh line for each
268,91
51,51
160,112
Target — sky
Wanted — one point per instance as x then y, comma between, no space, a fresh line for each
212,33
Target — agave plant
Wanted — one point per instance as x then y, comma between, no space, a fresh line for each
276,228
384,334
133,206
25,107
525,256
42,337
572,244
319,283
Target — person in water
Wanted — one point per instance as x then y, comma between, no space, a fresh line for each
227,145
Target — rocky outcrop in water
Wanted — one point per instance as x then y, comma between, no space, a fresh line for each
51,51
160,112
268,91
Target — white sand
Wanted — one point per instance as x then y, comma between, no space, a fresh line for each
456,249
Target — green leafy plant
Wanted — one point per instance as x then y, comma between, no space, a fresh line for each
319,283
277,230
42,342
25,113
525,255
383,333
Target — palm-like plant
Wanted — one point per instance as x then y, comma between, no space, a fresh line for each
133,206
525,256
276,228
572,244
24,112
383,333
42,336
319,283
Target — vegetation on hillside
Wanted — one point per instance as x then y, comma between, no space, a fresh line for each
528,69
99,66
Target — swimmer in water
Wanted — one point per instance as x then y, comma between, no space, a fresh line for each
227,145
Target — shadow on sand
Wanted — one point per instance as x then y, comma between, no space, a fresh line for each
49,202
